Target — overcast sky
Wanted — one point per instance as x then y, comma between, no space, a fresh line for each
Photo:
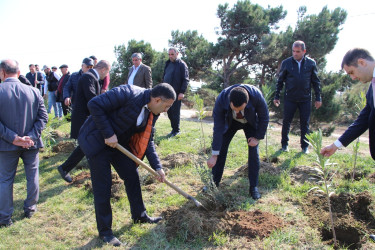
64,32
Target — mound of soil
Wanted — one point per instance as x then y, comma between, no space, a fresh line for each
351,215
84,178
265,167
64,147
357,175
189,223
371,178
302,174
57,135
148,178
174,160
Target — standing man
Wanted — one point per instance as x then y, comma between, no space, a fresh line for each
51,86
176,73
104,83
359,65
59,92
240,106
122,115
44,79
87,88
22,119
70,88
298,72
35,78
139,74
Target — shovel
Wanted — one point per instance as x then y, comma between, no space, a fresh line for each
149,169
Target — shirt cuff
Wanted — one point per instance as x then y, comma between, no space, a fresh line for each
338,144
215,152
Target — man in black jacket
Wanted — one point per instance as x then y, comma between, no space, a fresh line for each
298,72
359,65
176,73
119,116
59,93
88,87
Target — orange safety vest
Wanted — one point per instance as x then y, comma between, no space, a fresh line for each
139,141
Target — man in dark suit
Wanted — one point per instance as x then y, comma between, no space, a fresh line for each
60,87
120,116
22,119
176,73
139,74
87,88
35,78
238,107
359,65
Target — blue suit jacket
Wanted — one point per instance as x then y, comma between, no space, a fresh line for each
256,114
115,112
365,120
22,113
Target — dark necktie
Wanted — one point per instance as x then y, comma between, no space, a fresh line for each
239,115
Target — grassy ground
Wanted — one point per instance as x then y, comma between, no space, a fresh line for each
66,218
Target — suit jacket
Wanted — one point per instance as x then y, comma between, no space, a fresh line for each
31,78
22,113
365,120
87,88
143,77
116,112
180,77
256,114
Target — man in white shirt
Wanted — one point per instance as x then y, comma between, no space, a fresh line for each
139,74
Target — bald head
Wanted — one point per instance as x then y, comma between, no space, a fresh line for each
102,67
9,68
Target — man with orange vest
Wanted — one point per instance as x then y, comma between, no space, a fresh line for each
124,115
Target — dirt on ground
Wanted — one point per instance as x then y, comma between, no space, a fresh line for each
64,147
351,214
302,174
84,178
178,159
189,223
265,167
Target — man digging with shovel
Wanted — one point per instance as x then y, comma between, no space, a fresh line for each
124,115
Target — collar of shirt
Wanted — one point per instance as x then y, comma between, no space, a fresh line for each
373,73
136,69
11,78
141,115
97,74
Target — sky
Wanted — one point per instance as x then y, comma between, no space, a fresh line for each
49,32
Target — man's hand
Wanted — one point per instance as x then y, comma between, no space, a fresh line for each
103,91
276,102
180,96
111,141
329,150
212,161
252,141
318,104
24,142
161,176
67,101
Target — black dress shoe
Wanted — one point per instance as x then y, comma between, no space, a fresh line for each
65,175
173,134
254,192
111,240
6,224
28,214
147,219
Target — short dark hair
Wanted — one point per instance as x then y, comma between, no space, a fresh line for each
238,96
163,90
31,65
351,57
93,58
299,44
9,66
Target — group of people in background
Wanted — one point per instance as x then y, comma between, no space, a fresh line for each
126,115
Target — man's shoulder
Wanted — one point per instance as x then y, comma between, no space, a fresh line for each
310,60
146,66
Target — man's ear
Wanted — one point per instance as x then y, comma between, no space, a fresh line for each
361,62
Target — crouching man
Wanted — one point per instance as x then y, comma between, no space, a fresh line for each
124,115
239,107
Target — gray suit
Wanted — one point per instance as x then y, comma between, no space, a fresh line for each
143,76
22,113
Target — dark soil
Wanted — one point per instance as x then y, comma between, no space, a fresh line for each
178,159
371,178
302,174
357,175
84,178
265,167
64,147
351,214
188,223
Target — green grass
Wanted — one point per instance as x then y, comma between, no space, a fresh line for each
66,218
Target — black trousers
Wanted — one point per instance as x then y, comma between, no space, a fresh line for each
100,168
304,114
74,158
174,116
253,154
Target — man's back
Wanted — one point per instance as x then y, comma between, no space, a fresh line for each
20,107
